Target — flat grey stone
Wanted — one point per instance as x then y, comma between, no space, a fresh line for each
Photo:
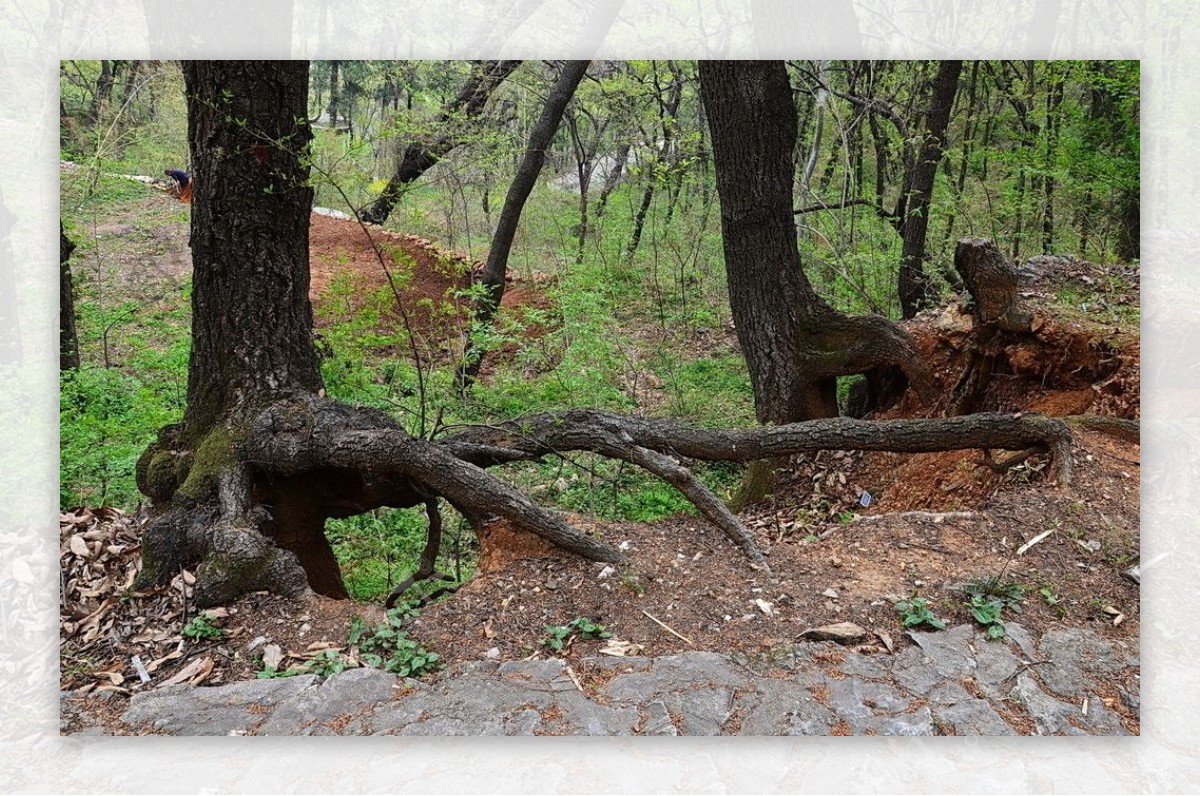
973,717
1076,656
1020,636
873,667
915,673
702,711
342,695
1102,721
658,720
949,693
548,675
994,664
947,651
674,673
218,710
782,707
865,705
582,716
1052,716
917,723
912,693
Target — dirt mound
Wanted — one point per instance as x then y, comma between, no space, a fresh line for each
404,286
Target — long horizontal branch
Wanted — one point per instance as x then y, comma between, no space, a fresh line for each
842,205
585,429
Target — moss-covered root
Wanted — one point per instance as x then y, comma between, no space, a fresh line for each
241,560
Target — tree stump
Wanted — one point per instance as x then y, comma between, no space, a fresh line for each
992,282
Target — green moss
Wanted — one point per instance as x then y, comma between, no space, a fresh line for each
165,471
217,452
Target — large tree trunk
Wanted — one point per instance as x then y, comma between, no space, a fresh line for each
495,270
251,336
420,156
795,344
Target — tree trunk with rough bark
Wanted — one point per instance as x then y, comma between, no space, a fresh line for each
795,344
992,281
914,287
251,338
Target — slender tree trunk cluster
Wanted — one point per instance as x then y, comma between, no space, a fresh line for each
420,156
495,270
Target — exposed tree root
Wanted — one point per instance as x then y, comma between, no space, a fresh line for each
426,567
1124,430
347,461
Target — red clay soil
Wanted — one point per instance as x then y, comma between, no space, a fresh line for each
410,283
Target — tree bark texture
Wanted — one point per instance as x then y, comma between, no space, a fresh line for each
496,268
251,318
992,282
795,344
420,156
251,340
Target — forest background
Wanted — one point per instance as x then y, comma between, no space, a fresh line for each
621,239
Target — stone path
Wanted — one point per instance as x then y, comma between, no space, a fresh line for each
951,682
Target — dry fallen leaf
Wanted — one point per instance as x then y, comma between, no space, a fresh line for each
79,546
272,656
619,648
197,668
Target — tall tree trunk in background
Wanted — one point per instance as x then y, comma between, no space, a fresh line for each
103,91
129,84
612,179
914,285
68,339
1054,98
969,128
584,153
332,109
668,110
496,268
420,156
795,344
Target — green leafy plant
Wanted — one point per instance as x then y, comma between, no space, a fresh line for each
987,612
387,646
558,636
988,597
916,612
202,626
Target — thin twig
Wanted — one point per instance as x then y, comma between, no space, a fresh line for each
667,628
